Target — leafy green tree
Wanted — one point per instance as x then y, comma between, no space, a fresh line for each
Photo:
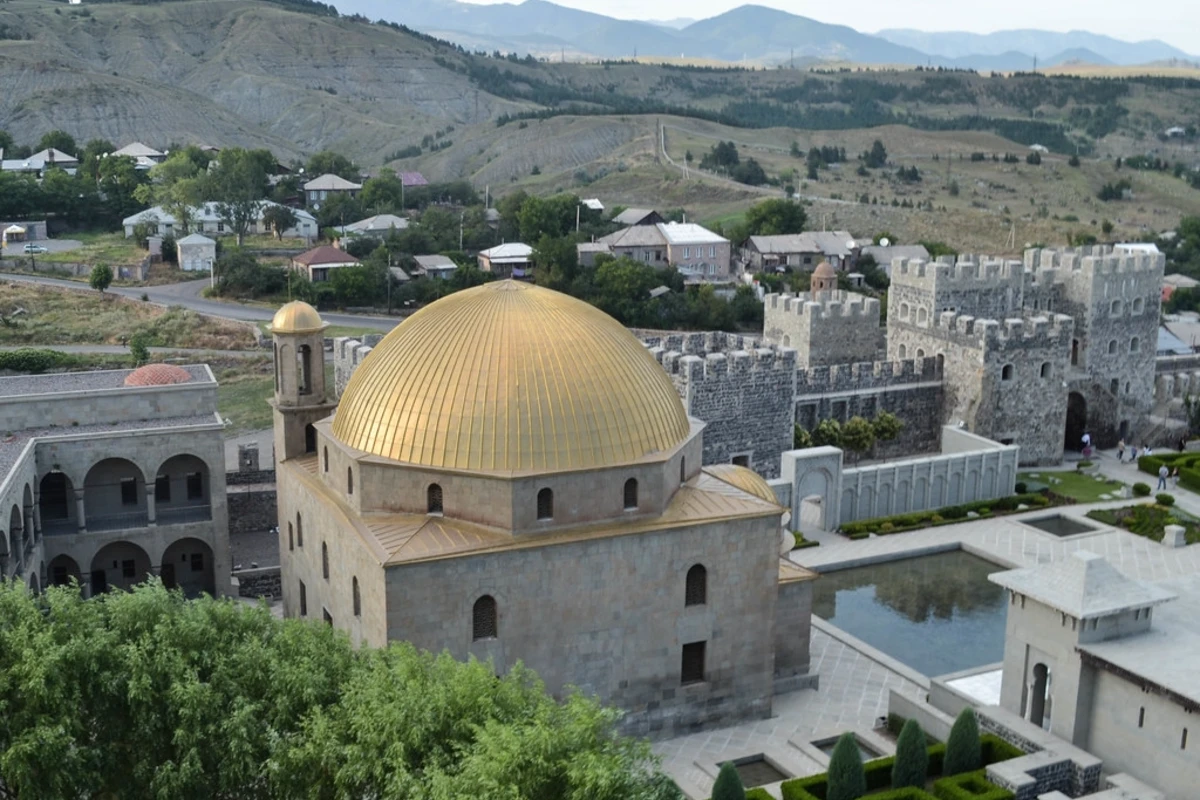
239,185
847,781
728,785
278,219
383,194
801,438
101,277
774,217
328,162
963,752
858,437
6,141
1073,161
89,158
887,426
59,140
550,216
179,184
118,179
911,766
876,157
555,261
828,433
214,699
138,349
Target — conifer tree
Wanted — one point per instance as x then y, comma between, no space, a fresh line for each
729,784
962,746
912,758
847,781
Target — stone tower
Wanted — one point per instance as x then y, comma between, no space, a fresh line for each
301,396
824,281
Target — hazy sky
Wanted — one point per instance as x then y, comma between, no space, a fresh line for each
1176,22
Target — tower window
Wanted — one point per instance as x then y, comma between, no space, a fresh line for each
631,494
1116,306
696,590
1142,717
1137,305
1114,386
1006,373
303,600
433,499
692,667
903,353
291,538
1045,369
326,455
324,560
545,504
904,311
1135,344
349,480
921,316
1183,740
304,359
357,600
299,531
683,469
483,618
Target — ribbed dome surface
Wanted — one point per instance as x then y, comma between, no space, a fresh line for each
296,317
157,375
509,377
745,479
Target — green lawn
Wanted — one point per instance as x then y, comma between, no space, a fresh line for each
1079,487
336,330
99,248
244,391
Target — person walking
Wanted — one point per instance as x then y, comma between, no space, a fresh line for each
1120,451
1087,444
1175,476
1163,472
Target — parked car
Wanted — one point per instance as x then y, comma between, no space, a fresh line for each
35,248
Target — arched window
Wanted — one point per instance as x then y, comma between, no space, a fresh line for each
433,499
1006,372
1137,305
483,619
904,311
299,531
1045,369
631,494
921,315
355,597
1116,306
696,591
326,459
1135,344
276,369
324,561
291,538
304,356
349,480
903,351
1112,347
545,504
920,353
1114,386
310,439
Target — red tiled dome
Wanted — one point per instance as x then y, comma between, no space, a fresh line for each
157,375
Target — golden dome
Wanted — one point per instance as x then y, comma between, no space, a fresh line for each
297,317
510,377
745,479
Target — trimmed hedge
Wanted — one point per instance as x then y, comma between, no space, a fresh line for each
1164,499
1188,464
34,360
969,786
898,523
879,773
758,793
1141,489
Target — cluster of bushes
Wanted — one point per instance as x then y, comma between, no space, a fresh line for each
802,543
1147,520
33,361
898,523
960,759
1188,465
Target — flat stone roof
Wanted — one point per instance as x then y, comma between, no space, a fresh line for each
1165,655
62,382
11,447
1083,585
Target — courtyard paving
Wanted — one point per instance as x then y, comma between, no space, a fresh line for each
854,680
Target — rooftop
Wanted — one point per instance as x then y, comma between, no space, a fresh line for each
632,216
435,262
635,236
1166,654
513,251
413,538
379,222
689,233
324,255
831,243
97,380
331,183
195,238
1082,585
137,149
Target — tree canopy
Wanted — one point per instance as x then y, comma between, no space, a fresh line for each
146,694
775,217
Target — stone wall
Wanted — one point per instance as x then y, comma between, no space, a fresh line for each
251,507
829,328
262,582
348,353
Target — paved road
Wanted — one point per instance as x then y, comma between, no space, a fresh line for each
187,294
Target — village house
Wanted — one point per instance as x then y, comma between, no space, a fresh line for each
320,189
512,260
799,251
196,253
698,253
317,263
206,219
435,266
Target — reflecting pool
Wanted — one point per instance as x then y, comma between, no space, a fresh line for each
936,613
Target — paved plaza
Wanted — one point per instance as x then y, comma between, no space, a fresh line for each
855,679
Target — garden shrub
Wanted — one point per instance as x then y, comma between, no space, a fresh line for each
983,512
1141,489
911,764
888,527
1164,499
728,785
1083,464
811,788
969,786
994,749
758,793
846,780
33,360
953,512
907,793
1020,488
963,751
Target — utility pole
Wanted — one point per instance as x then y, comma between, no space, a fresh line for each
577,207
461,221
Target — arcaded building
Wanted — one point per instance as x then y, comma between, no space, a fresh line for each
511,475
111,477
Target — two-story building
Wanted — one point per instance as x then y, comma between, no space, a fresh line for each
800,252
110,477
698,253
320,189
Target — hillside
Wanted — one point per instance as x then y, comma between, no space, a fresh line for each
231,73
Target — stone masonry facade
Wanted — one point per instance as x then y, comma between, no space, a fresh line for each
824,329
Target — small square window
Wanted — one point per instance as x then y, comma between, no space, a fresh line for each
692,669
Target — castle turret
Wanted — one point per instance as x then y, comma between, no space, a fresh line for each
301,396
824,280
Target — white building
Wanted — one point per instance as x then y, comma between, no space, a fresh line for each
325,186
206,219
378,225
197,253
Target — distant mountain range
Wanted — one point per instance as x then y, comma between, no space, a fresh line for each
748,33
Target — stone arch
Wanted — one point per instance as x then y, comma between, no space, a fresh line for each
1077,420
56,503
187,564
884,506
16,536
119,565
114,495
1039,694
814,500
902,352
866,503
310,438
972,487
787,340
31,527
920,494
61,570
849,504
182,490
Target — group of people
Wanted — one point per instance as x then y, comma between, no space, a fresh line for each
1134,452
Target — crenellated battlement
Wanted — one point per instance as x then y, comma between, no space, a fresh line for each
1095,260
965,272
691,368
1052,330
697,343
828,305
866,375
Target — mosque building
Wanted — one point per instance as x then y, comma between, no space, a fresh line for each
511,475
